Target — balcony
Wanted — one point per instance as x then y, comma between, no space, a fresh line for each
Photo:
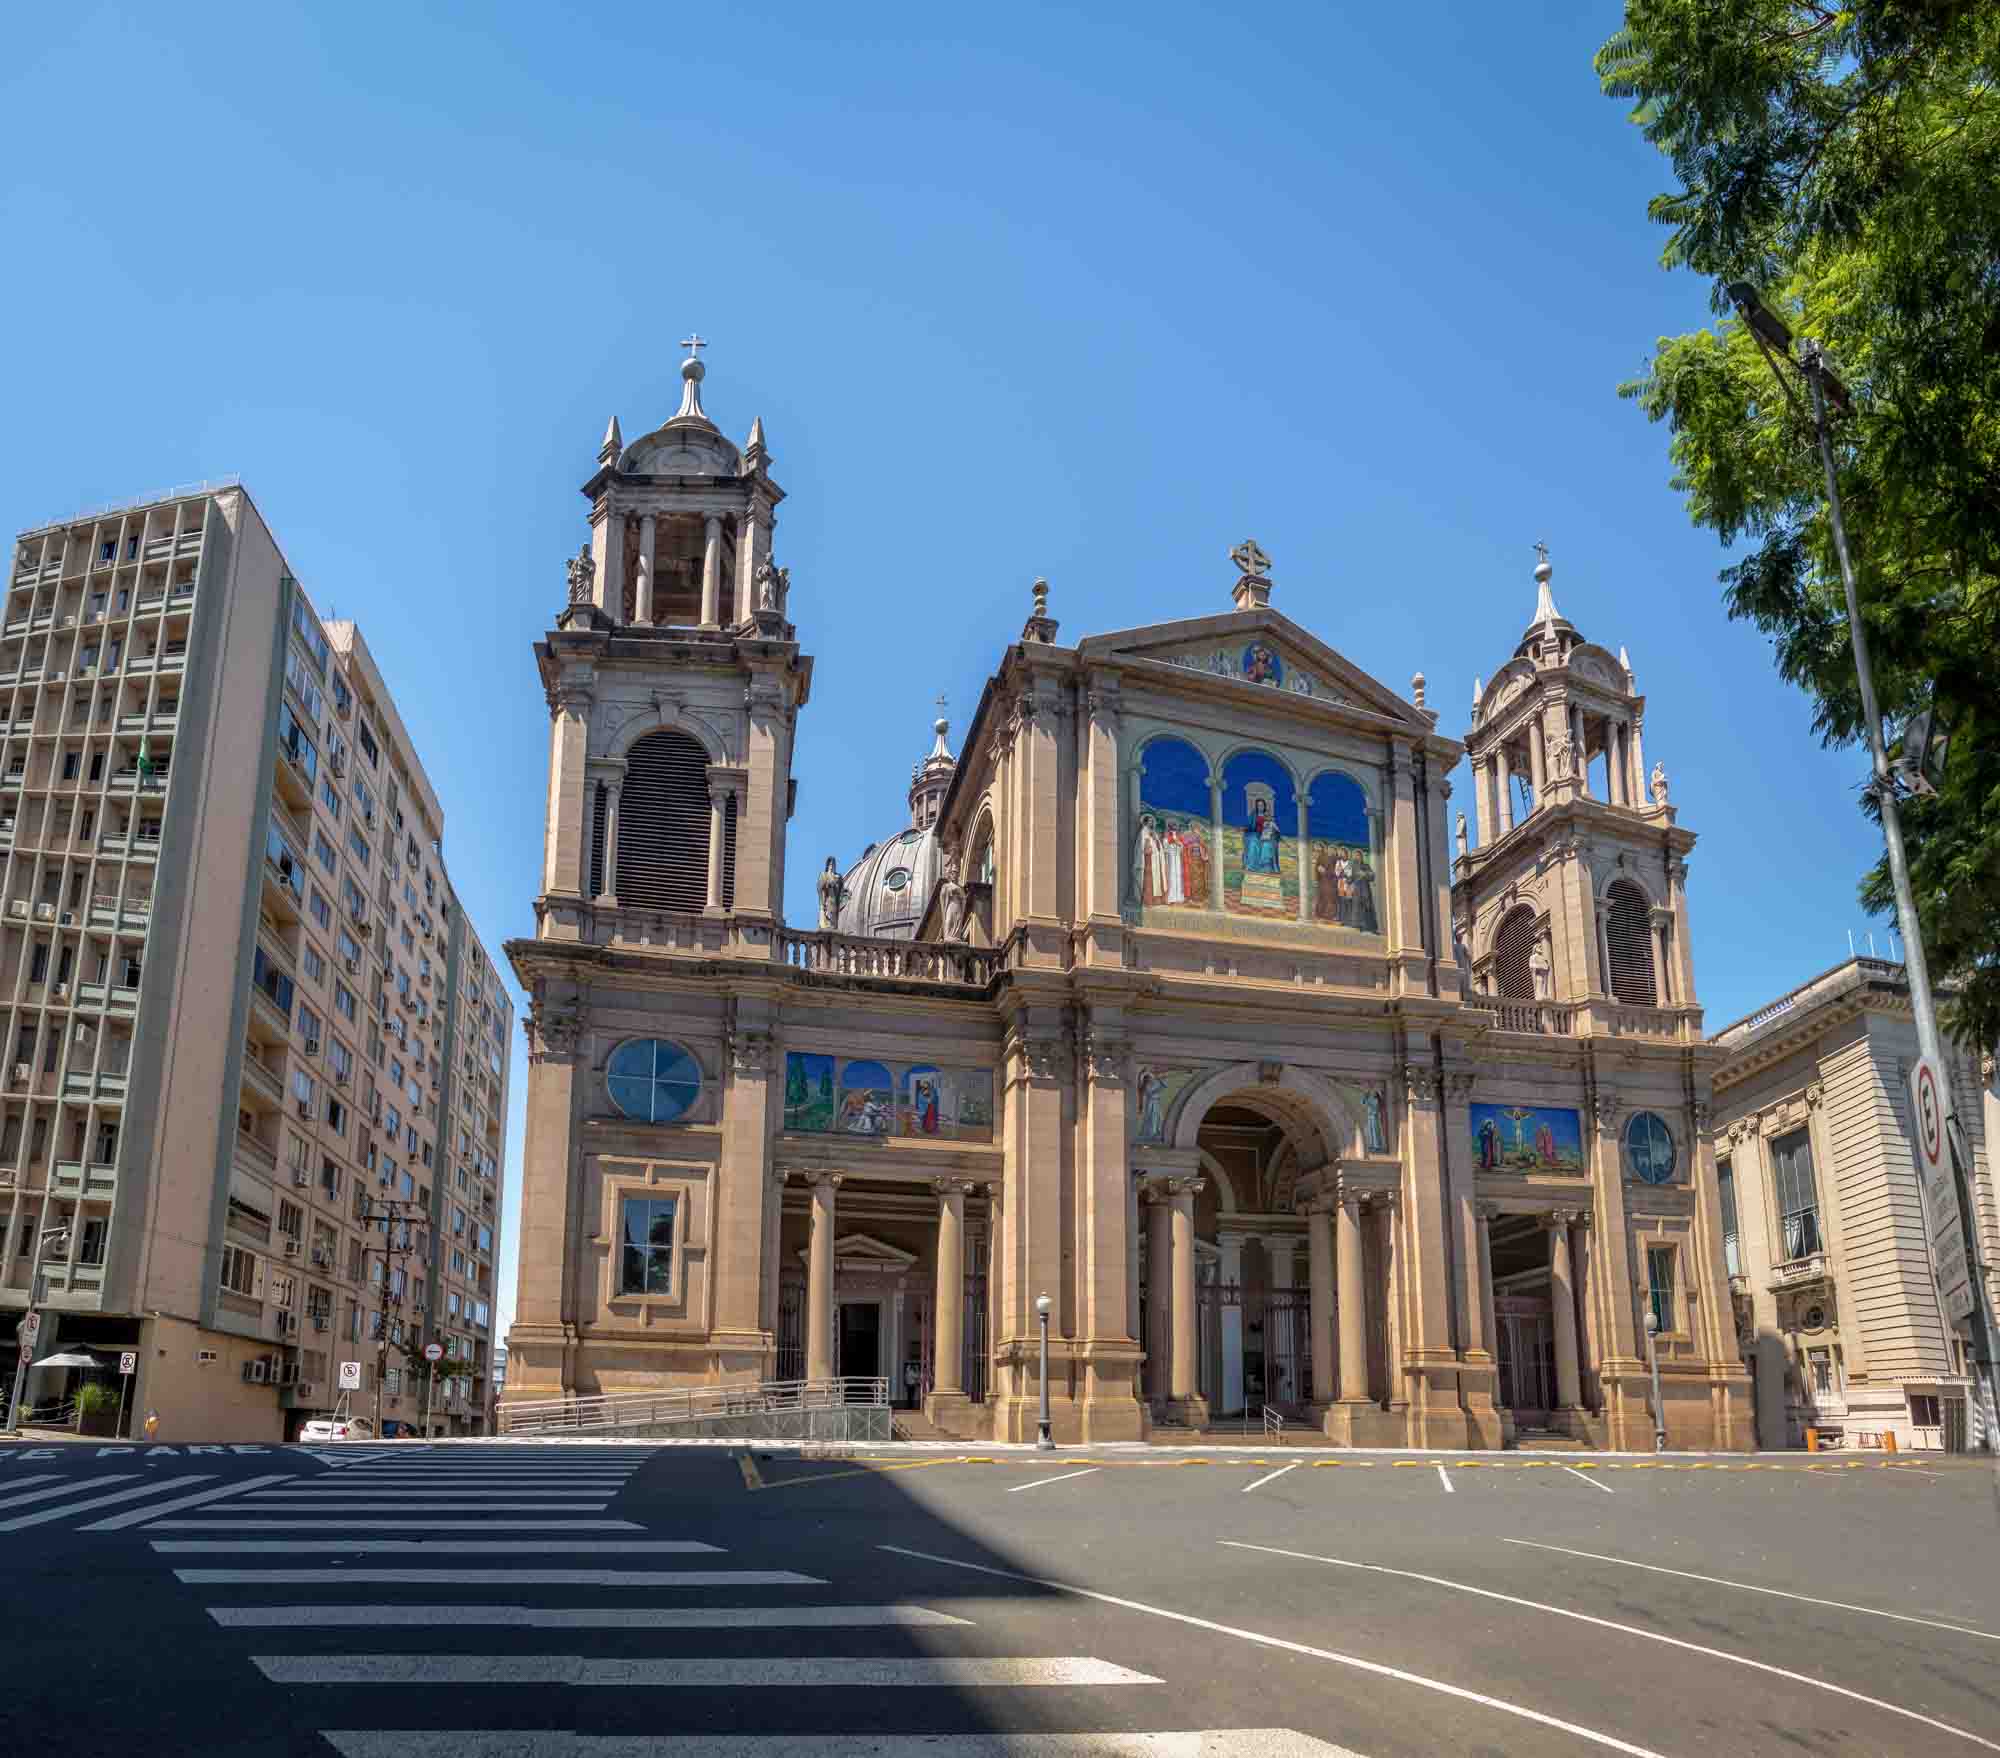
266,1080
1543,1018
1796,1272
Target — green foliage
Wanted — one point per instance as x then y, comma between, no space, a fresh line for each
1845,160
94,1396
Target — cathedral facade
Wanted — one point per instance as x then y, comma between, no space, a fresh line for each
1178,998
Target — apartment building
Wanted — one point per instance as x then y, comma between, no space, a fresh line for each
256,1067
1836,1311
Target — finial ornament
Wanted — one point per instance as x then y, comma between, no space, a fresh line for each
582,575
692,373
1040,626
1250,559
694,344
1417,689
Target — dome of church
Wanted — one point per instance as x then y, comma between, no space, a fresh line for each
886,892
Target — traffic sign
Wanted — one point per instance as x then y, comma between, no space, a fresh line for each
31,1328
350,1376
128,1362
1930,1101
433,1351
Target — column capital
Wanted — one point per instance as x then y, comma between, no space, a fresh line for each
1562,1219
1487,1210
824,1180
947,1188
1421,1082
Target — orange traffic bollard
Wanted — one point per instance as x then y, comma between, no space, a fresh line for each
1888,1440
1812,1440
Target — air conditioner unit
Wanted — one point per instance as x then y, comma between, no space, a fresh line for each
312,1046
319,1321
340,1078
206,1357
22,1070
291,1248
306,1388
353,965
62,989
256,1373
301,1179
68,918
288,1375
305,1109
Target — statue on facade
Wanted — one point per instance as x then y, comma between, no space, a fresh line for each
951,905
1374,1134
1559,760
1461,834
829,896
582,576
1541,970
1659,784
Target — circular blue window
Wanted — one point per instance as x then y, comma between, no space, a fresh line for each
1649,1149
652,1080
897,880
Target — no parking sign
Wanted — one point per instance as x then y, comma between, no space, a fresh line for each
1930,1101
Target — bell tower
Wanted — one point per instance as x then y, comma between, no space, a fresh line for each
1559,786
673,678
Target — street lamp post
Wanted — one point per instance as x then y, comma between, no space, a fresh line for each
1774,341
34,1304
1043,1439
1653,1363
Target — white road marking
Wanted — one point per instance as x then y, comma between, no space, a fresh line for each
429,1525
389,1504
14,1483
1762,1666
1594,1484
495,1578
1226,1742
531,1617
1774,1592
1064,1478
955,1671
1610,1741
136,1516
70,1488
451,1547
42,1516
1280,1472
1444,1477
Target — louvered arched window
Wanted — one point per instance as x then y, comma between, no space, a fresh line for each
1511,949
663,825
1628,940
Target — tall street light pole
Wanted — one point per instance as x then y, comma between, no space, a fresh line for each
1774,340
1044,1441
1653,1363
34,1305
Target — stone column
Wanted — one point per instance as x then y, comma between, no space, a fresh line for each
1639,781
1562,1306
947,1326
642,609
1486,1212
1184,1382
718,793
1351,1296
1482,802
711,571
1504,779
610,892
1581,744
1159,1292
753,546
1319,1273
1662,919
1215,840
819,1278
1538,766
1232,1323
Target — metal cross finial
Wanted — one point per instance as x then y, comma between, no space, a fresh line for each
941,701
1541,549
1247,556
694,344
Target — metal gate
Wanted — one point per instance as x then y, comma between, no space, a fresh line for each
791,1330
1526,1352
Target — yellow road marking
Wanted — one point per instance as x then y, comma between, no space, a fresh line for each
752,1477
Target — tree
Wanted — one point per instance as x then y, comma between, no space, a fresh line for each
1844,160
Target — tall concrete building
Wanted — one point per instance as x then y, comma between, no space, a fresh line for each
1165,997
1836,1308
243,1006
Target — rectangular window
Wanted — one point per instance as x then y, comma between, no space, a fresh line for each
329,795
344,1003
239,1270
1660,1285
315,966
276,985
336,1116
293,742
1725,1185
359,844
1924,1410
647,1246
369,748
38,971
322,911
299,675
309,630
92,1249
1798,1195
325,853
309,1023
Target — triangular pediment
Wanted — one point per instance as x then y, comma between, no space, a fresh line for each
1259,649
863,1251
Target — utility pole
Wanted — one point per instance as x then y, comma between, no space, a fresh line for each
395,1214
1774,340
35,1296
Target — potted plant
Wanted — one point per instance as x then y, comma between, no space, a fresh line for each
96,1409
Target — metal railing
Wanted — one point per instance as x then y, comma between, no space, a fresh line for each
691,1404
1274,1427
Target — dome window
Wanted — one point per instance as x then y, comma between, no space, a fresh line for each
896,880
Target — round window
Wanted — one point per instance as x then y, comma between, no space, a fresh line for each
1649,1149
897,880
652,1080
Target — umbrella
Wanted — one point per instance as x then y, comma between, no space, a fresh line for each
69,1358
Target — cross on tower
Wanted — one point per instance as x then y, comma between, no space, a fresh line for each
1542,549
941,700
1247,556
694,344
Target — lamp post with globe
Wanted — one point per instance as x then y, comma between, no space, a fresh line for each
1043,1440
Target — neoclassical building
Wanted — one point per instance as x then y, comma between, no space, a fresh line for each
1173,996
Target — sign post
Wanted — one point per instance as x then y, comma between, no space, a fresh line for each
1931,1106
433,1353
128,1364
350,1376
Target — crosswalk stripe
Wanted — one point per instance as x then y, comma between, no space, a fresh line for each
39,1477
495,1579
387,1504
70,1488
1263,1742
452,1547
429,1525
529,1617
133,1516
508,1479
42,1516
932,1671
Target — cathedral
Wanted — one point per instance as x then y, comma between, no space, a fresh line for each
1180,995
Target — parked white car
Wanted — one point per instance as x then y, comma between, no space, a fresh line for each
344,1428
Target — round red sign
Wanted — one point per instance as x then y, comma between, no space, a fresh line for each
1930,1116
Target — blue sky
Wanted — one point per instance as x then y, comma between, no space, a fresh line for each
1019,293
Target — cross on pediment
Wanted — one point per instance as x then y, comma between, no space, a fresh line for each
1248,557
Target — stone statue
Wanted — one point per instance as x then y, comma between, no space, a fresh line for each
951,907
582,576
1541,970
1461,834
1373,1134
829,896
1659,784
767,593
1559,760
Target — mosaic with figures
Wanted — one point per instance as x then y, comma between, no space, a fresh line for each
832,1095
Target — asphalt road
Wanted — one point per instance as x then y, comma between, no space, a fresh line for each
629,1601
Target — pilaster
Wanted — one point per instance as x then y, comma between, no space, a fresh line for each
741,1343
1109,1354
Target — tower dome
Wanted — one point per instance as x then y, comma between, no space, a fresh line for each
886,892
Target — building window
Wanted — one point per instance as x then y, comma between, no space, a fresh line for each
1513,947
239,1270
1798,1195
663,818
314,965
293,742
652,1080
1628,939
647,1256
1924,1412
1660,1285
1725,1187
1649,1149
